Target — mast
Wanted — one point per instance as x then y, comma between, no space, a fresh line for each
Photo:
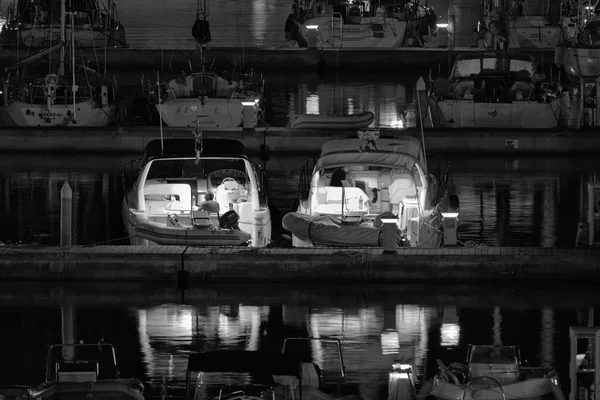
63,16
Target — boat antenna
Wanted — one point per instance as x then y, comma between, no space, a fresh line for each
421,89
162,144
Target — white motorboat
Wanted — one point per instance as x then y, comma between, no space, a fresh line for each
494,372
37,24
164,200
494,90
354,184
71,95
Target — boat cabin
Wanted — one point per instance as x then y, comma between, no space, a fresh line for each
490,77
206,84
498,362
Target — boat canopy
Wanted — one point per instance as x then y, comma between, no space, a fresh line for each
402,152
257,363
186,147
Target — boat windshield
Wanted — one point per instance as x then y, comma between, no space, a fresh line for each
493,355
213,169
468,67
214,385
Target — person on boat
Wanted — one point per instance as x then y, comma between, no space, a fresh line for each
289,23
201,29
339,176
209,204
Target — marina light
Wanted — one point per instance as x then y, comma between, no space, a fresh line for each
389,220
248,103
450,214
312,26
442,25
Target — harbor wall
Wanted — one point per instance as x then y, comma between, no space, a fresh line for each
296,141
195,264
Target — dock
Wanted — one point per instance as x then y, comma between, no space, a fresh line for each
184,264
280,57
133,139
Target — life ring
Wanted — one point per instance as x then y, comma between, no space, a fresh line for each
320,8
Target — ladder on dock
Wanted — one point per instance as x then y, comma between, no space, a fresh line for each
583,371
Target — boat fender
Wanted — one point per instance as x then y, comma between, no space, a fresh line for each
229,219
320,8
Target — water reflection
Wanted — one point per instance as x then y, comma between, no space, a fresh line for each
154,337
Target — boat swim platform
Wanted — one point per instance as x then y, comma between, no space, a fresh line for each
274,58
280,140
294,265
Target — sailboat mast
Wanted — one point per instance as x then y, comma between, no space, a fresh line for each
74,87
63,16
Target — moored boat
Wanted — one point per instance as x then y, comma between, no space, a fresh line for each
211,96
334,121
354,185
37,24
500,89
494,372
196,193
71,95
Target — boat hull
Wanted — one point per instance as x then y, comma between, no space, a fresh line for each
210,114
533,32
530,389
42,37
21,114
348,121
372,32
579,62
516,115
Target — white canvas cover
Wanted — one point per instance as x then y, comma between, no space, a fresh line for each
402,152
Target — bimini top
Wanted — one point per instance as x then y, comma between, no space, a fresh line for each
186,147
258,363
402,152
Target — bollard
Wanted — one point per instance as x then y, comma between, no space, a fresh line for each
66,209
389,235
450,226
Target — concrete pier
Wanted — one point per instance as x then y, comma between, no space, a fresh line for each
335,265
133,139
280,57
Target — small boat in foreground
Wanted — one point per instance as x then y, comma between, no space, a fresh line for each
494,372
333,121
87,371
167,199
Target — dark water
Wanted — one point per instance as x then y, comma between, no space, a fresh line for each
154,328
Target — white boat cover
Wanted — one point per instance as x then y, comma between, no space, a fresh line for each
402,152
326,230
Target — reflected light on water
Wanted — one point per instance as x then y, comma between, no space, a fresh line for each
312,104
450,331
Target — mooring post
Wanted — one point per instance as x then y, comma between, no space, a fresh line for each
66,210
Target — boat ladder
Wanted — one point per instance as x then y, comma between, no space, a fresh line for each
487,379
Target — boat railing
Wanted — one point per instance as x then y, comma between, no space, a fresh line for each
129,173
306,177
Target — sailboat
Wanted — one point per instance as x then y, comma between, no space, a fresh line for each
68,96
36,24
